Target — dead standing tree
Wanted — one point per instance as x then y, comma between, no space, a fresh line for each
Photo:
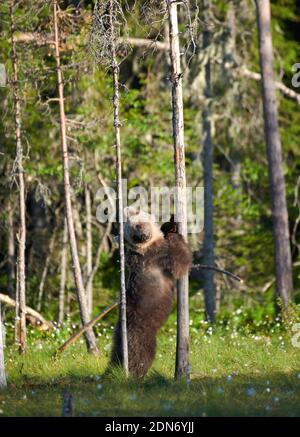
107,19
182,369
81,295
11,251
2,367
89,248
207,159
283,263
63,273
20,321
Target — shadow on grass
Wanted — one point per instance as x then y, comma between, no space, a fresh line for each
263,394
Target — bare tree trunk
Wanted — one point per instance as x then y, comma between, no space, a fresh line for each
81,296
229,63
11,261
208,243
100,248
64,257
21,320
89,249
117,124
45,273
17,311
2,367
68,303
283,264
182,369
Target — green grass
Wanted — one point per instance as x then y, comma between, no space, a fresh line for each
233,374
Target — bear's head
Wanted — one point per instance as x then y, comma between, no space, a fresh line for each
140,228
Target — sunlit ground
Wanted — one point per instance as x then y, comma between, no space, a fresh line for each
233,373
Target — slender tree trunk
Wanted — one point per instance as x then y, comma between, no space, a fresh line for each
68,303
182,369
231,54
64,257
2,367
100,248
81,296
208,243
45,273
21,320
17,311
117,124
11,261
283,263
89,249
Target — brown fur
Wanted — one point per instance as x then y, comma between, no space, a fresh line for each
154,262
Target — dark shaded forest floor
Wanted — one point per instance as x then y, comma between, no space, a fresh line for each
233,374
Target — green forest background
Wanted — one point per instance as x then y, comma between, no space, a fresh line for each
242,211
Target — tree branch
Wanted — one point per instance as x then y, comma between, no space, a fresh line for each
89,325
42,323
243,71
41,40
216,269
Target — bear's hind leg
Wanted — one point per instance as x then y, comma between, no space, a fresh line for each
141,353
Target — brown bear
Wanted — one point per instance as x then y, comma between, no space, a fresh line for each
154,260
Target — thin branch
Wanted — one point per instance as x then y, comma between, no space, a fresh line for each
216,269
147,43
89,325
243,71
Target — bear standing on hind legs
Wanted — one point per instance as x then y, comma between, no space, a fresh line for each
154,260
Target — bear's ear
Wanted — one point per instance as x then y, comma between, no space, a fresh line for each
169,227
129,211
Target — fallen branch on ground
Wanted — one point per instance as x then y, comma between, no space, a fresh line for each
32,316
78,334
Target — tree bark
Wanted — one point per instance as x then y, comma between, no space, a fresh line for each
2,366
117,124
283,264
102,243
21,277
207,159
63,271
182,368
11,260
17,311
81,296
89,249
